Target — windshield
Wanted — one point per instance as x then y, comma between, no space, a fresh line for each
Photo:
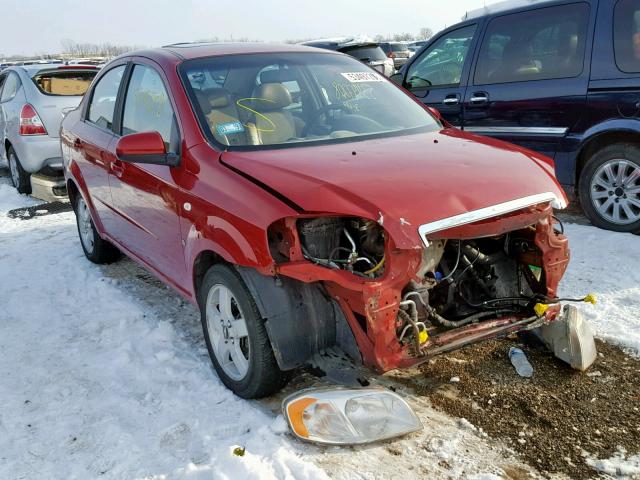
284,99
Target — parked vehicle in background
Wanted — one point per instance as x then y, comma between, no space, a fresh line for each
33,100
415,47
367,52
397,51
559,77
96,61
303,202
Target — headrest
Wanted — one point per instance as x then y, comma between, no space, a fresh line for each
277,76
271,96
213,98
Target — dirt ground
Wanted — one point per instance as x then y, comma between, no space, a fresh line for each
553,419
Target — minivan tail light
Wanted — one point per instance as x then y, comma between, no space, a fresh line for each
391,55
30,123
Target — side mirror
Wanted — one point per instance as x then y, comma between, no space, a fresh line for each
145,147
397,78
435,112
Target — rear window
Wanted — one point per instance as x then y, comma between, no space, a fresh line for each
626,36
64,82
365,53
398,47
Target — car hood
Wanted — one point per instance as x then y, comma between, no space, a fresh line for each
402,182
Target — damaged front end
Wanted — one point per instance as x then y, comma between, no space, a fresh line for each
481,275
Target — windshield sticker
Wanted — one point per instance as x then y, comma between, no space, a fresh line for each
357,77
229,128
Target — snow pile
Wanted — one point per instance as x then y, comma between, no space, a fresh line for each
10,198
607,264
618,466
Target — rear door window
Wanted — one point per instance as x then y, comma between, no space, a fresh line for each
541,44
442,63
147,107
10,87
103,101
64,82
626,35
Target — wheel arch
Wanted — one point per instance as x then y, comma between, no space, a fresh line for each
72,192
201,264
599,138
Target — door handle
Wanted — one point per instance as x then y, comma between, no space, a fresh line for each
451,100
117,168
479,98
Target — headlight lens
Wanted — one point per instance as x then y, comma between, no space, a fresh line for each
349,416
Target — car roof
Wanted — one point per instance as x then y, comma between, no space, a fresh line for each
188,51
502,7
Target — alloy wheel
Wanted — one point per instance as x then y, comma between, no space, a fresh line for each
85,227
228,332
615,191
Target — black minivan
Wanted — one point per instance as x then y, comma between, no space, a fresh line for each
558,77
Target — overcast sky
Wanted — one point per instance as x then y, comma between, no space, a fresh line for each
36,26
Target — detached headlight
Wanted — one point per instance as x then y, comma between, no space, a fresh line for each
349,416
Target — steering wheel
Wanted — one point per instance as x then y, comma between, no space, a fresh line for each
318,115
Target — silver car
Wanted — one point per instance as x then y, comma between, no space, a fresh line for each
398,51
33,100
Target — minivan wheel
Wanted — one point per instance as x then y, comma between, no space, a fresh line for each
236,338
95,248
20,178
610,188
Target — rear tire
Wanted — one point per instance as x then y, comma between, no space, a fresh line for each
20,178
610,188
95,248
236,337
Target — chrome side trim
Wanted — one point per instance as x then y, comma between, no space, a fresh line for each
488,212
526,130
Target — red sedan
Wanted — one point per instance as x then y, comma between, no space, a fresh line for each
304,202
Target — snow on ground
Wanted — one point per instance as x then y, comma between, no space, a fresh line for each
619,466
104,373
94,383
608,264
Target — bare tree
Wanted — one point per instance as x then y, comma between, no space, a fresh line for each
425,33
403,37
74,49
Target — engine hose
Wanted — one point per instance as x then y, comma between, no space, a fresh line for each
460,323
406,318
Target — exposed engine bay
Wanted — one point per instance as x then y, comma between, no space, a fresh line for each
406,305
464,282
352,244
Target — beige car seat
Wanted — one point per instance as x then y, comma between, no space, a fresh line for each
273,123
219,109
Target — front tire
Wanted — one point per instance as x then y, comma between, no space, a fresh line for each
20,178
236,338
610,188
95,248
